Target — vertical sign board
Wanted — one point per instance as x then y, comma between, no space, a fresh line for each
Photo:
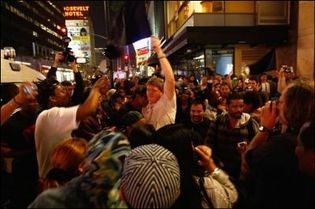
78,30
142,48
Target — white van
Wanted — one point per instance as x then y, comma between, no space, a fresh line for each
12,72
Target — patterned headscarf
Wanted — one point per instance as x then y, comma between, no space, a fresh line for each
151,177
103,167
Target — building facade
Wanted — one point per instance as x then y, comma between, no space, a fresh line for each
228,36
34,28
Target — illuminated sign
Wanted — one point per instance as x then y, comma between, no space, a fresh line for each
76,11
142,48
80,44
142,51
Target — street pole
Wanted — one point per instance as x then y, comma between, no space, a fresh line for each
111,74
107,22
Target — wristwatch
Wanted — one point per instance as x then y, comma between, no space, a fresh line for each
264,129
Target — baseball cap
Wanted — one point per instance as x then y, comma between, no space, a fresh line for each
151,177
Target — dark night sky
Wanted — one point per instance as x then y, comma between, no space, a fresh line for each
97,15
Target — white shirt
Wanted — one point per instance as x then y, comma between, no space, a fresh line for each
162,113
52,127
265,87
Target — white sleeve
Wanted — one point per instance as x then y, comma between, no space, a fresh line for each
59,119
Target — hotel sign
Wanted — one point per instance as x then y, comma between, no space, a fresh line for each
77,12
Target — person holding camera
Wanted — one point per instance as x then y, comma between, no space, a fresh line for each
286,76
274,180
75,93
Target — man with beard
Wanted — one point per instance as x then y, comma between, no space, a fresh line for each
229,129
197,120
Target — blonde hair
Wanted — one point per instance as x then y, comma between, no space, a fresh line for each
69,154
157,82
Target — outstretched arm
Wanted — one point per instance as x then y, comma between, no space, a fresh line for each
21,98
91,103
169,84
52,71
281,81
79,85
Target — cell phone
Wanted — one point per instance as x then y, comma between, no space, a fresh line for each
196,156
197,169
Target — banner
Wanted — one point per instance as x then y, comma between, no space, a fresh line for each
268,62
128,22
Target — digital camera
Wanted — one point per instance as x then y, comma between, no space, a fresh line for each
67,56
287,69
67,53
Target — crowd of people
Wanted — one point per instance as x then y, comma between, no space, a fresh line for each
160,142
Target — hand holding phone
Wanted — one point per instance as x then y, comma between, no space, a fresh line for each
242,146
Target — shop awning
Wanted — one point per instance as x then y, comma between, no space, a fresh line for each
202,36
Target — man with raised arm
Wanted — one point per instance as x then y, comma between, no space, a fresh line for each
161,109
57,121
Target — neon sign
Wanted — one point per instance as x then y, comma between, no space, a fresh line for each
76,11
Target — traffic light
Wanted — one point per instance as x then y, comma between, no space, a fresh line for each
126,58
64,31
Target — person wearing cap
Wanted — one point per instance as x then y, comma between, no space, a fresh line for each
161,109
150,179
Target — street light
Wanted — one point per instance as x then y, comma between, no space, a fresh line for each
100,36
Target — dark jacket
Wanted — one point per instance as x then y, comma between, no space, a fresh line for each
274,179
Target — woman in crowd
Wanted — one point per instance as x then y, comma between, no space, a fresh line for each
65,162
203,184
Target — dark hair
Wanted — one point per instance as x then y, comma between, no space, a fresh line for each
46,88
307,135
115,97
234,96
199,102
140,90
141,135
252,97
66,83
8,91
179,139
253,78
83,30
